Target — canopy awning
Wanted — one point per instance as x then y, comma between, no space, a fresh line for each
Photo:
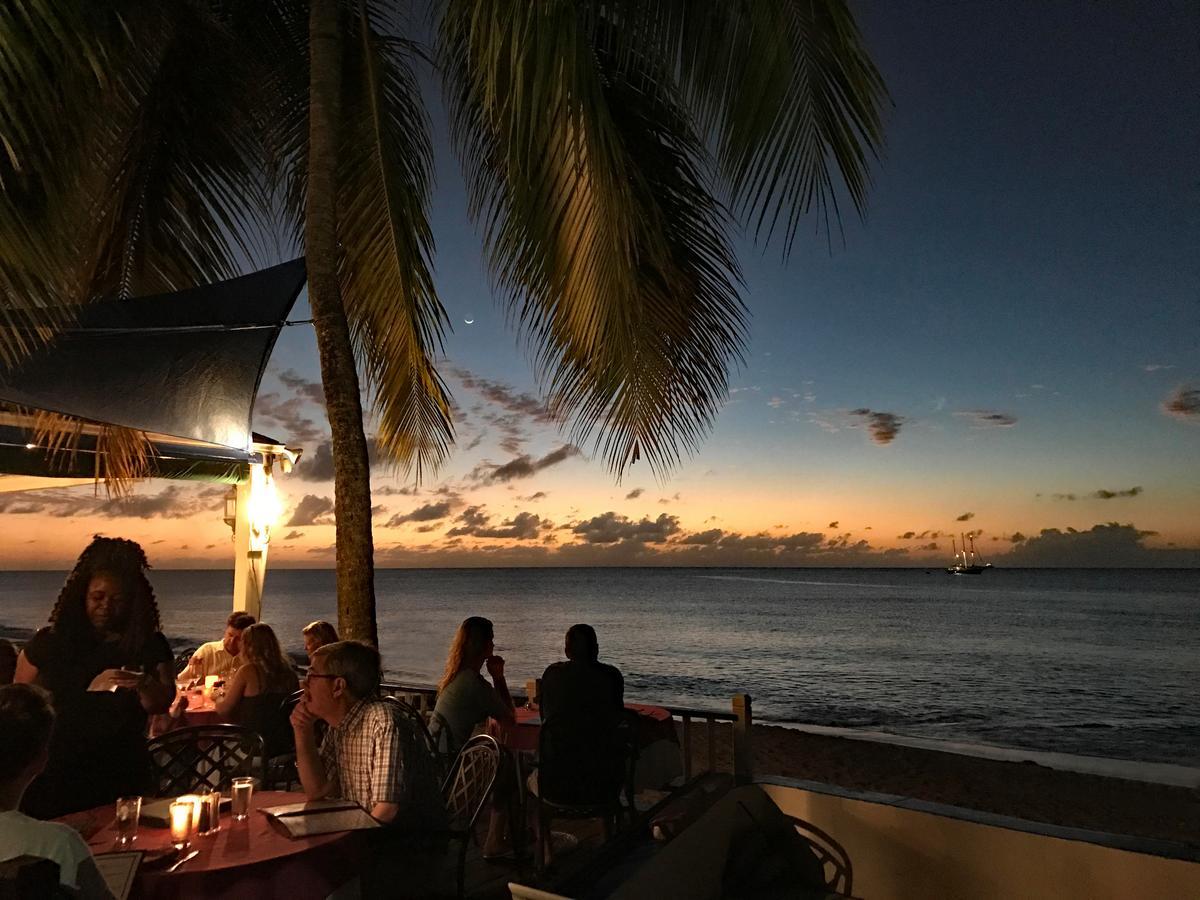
183,367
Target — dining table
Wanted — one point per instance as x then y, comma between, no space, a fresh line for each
247,859
190,707
659,759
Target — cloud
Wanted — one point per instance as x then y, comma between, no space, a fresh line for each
1184,403
522,527
985,418
883,426
609,527
290,416
389,490
1110,495
309,390
317,466
523,466
703,538
635,493
1156,367
666,500
430,512
311,510
1018,538
293,535
833,524
1071,497
965,517
540,495
1107,545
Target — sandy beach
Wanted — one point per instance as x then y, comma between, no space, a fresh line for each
1022,789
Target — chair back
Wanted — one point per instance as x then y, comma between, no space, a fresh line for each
183,657
417,722
583,760
202,757
470,781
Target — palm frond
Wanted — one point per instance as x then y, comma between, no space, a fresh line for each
589,179
384,169
785,92
122,455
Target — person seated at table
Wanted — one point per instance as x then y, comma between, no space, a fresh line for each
107,665
465,699
26,721
8,661
221,658
582,686
318,634
370,753
254,696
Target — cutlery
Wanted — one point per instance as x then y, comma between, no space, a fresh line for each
175,866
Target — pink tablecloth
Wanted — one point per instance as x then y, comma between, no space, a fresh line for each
244,860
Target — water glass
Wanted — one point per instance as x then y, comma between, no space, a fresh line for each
243,790
129,810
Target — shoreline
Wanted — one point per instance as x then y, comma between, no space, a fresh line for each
1016,786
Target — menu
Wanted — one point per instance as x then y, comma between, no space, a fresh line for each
118,871
299,820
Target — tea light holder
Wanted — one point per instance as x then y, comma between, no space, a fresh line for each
210,682
181,821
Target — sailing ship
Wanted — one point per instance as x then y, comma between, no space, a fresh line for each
974,565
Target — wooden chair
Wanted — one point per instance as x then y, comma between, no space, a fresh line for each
203,757
584,764
466,789
835,861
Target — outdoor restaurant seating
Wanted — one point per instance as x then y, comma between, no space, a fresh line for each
466,790
200,757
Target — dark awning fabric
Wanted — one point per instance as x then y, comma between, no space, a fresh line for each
186,364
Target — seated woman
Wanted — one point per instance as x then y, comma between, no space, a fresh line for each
316,635
254,696
465,699
105,662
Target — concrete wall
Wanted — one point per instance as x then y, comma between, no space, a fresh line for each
903,849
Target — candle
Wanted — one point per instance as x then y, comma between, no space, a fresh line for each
181,821
209,682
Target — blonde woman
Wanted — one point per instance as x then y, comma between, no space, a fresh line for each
465,700
255,695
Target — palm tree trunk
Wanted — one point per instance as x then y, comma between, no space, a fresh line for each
351,467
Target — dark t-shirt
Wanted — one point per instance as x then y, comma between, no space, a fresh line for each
583,689
98,751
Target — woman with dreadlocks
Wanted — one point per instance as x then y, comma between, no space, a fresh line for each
107,665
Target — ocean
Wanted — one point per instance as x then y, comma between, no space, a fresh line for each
1089,662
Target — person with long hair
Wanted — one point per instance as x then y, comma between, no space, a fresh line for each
105,662
466,700
254,696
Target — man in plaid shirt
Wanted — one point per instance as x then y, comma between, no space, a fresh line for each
370,754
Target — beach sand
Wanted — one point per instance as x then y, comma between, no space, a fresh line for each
1025,790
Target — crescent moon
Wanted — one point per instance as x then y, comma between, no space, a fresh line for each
469,321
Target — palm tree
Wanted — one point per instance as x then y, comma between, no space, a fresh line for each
610,148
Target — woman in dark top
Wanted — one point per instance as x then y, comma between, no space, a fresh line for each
107,665
254,696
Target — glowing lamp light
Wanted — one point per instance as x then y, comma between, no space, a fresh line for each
265,506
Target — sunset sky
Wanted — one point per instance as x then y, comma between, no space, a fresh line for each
1010,345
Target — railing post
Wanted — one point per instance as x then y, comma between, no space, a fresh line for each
711,725
687,749
743,753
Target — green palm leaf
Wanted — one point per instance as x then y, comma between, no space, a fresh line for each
384,165
589,180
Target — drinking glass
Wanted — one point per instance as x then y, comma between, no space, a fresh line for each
210,813
243,790
129,810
